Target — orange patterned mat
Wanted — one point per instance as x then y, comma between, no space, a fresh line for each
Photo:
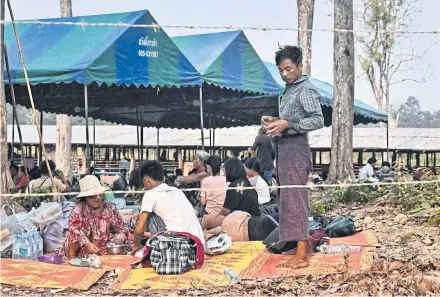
211,274
265,265
251,260
35,274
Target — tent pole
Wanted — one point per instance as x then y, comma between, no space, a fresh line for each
138,138
157,145
40,157
213,141
94,141
142,134
86,112
210,135
138,144
13,136
388,142
201,118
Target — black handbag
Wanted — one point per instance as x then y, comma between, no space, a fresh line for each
340,227
273,244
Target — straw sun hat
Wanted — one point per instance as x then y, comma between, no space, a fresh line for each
90,186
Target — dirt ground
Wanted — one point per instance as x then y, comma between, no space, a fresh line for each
407,263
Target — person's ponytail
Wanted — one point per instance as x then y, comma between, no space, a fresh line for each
254,164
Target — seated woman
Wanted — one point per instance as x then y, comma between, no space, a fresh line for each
21,181
193,179
213,192
91,221
237,201
240,216
257,180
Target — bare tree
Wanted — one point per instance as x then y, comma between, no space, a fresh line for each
305,24
341,159
64,123
5,177
383,52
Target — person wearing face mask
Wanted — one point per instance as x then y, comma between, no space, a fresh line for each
257,179
91,220
213,193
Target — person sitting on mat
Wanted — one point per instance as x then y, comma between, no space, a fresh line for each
91,221
236,200
169,203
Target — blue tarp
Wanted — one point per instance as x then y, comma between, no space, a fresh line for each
228,60
100,54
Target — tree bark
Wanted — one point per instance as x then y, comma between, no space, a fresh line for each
5,176
305,22
341,160
63,144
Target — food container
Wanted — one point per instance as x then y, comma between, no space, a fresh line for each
54,259
121,249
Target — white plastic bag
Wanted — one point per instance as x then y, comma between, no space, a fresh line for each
9,226
45,214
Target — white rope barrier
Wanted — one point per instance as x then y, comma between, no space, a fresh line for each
206,27
242,188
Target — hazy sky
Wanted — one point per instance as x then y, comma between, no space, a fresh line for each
276,13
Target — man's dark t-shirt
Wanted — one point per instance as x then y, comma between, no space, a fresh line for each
247,200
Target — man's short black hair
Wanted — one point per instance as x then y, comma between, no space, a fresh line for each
123,171
44,169
153,170
13,166
371,160
235,170
179,172
291,52
216,163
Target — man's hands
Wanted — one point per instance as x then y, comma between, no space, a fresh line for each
274,126
135,249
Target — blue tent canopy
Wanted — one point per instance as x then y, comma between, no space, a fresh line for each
228,60
326,91
100,54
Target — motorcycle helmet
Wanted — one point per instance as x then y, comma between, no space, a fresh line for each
218,244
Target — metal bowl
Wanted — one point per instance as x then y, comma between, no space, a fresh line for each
117,249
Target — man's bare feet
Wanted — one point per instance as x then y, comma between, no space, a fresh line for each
300,259
295,263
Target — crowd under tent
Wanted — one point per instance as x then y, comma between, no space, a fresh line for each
127,75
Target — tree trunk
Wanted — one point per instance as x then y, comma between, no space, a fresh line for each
64,123
341,160
4,168
305,21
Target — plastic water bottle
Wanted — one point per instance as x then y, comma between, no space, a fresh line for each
40,246
338,249
21,248
232,276
15,247
32,245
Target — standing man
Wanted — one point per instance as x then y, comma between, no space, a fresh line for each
300,113
264,151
